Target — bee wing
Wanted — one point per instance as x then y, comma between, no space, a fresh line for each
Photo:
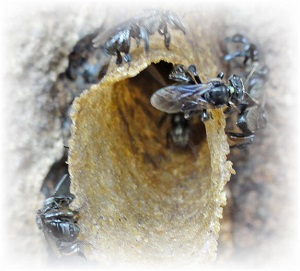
173,99
250,100
99,39
103,37
110,33
257,118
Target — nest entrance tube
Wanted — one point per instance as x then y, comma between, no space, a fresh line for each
142,202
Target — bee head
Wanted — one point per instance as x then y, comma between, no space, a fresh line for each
236,89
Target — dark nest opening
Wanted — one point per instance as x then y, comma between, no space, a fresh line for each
147,131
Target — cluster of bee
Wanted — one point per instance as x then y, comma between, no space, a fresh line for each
243,59
242,96
117,40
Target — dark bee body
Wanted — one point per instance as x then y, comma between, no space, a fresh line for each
58,222
195,96
252,116
182,133
186,98
87,65
180,130
117,40
248,52
246,63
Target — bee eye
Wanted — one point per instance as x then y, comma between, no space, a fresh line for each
238,96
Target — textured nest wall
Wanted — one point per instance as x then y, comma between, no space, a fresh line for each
143,201
259,197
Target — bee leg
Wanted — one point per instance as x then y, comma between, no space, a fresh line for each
246,137
167,37
229,57
167,40
239,140
127,58
220,75
242,123
246,59
204,116
71,248
145,37
192,69
161,31
124,47
119,58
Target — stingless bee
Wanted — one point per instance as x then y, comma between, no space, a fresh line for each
195,96
243,58
58,222
117,40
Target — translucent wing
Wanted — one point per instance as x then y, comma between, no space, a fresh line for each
111,33
173,99
257,118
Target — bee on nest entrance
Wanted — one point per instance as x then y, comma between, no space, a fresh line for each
141,198
164,136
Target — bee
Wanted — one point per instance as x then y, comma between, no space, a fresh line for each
249,51
180,130
58,222
87,65
195,96
117,40
250,120
252,115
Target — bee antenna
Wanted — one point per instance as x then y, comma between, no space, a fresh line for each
255,65
251,98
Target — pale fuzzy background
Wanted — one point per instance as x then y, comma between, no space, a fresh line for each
30,17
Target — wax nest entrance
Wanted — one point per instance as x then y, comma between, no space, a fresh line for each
140,200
